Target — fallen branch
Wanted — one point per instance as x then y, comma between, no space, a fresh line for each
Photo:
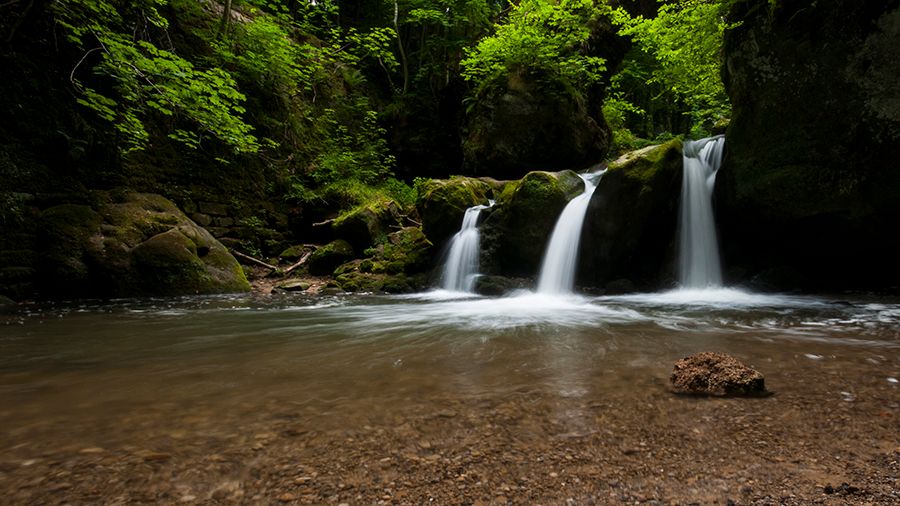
300,262
253,260
414,222
326,222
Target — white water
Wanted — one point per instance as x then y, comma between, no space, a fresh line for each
699,265
558,269
461,267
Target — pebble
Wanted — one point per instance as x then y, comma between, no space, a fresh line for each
92,450
893,380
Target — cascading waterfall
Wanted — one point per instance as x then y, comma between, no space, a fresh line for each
699,247
461,267
558,269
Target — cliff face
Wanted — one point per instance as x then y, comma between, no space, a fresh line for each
809,196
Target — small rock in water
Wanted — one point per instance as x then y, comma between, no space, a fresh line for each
813,357
717,374
893,380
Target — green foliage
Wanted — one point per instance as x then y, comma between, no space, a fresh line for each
684,42
148,81
542,38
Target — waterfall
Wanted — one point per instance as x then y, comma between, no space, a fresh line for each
461,268
699,247
558,269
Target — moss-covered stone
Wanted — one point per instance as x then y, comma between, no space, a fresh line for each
326,259
443,202
810,179
132,245
295,252
368,224
631,223
516,230
532,122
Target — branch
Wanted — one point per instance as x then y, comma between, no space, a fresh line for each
72,74
326,222
300,262
253,260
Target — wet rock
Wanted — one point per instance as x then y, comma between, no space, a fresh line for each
7,305
498,285
809,179
716,374
443,202
631,221
515,231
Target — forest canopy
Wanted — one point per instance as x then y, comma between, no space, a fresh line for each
325,93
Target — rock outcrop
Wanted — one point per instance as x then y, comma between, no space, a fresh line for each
809,194
716,374
132,245
443,202
631,224
523,127
515,231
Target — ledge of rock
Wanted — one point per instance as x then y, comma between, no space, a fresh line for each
716,374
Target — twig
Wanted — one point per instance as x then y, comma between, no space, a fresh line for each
326,222
300,262
72,74
253,260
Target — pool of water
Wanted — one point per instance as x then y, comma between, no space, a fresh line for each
106,374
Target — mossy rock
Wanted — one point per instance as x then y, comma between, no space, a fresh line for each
407,250
631,222
443,202
515,231
132,245
7,305
326,259
809,183
532,122
368,224
293,253
356,281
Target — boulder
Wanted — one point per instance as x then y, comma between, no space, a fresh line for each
809,183
498,285
135,245
716,374
522,127
632,220
443,202
7,305
515,231
368,224
326,259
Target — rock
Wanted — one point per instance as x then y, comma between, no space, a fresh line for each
367,225
293,285
7,305
514,233
325,260
293,253
809,180
522,126
498,285
716,374
632,220
136,245
398,265
443,202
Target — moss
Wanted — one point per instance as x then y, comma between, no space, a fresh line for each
515,232
326,259
443,202
367,224
293,252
